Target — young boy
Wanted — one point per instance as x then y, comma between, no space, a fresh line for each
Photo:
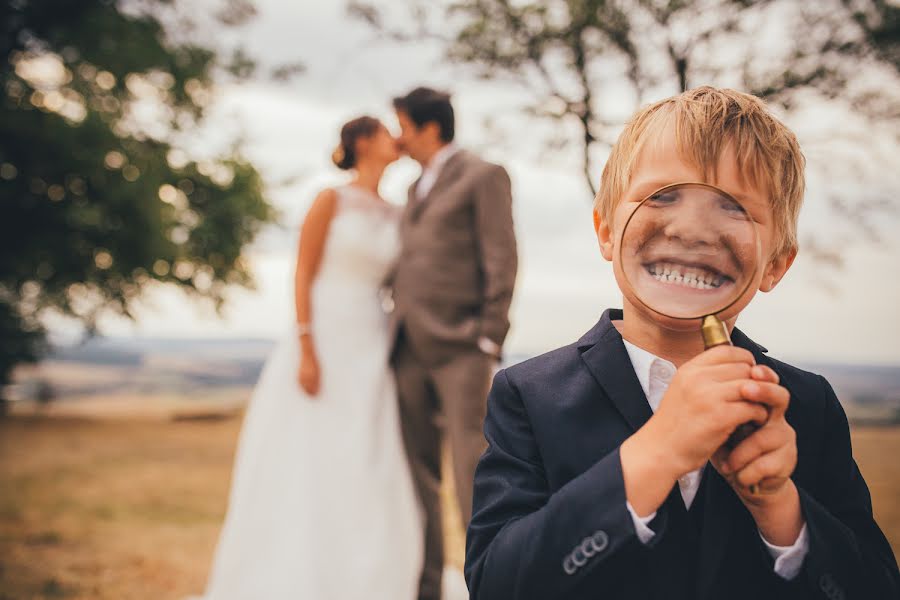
607,474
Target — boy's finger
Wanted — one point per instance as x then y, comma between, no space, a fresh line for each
729,372
724,354
764,373
769,485
737,413
764,466
754,393
770,394
777,464
761,441
733,390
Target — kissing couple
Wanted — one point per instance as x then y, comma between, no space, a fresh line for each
401,314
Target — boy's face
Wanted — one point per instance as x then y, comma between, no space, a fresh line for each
659,165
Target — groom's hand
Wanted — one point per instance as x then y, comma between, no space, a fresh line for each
489,347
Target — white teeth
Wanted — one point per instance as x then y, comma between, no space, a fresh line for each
671,273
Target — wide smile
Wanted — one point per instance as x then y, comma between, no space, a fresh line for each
692,275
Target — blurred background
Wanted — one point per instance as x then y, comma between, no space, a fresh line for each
158,156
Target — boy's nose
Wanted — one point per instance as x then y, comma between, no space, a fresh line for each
691,223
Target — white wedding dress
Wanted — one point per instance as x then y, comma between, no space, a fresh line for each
322,504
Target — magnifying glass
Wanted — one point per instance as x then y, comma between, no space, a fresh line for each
689,252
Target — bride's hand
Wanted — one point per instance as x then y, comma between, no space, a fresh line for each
308,374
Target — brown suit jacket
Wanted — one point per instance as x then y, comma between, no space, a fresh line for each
454,278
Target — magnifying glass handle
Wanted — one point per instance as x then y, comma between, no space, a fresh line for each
715,333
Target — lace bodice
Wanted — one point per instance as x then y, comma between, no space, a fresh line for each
363,240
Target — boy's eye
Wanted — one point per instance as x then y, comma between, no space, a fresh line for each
734,209
729,204
663,199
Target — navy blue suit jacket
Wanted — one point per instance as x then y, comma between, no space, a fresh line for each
549,488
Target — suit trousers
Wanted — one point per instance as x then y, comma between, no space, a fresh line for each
449,400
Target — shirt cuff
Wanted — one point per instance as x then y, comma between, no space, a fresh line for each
642,524
789,559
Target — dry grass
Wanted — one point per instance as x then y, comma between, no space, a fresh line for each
104,509
131,509
107,509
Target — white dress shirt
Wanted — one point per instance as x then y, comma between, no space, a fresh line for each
655,374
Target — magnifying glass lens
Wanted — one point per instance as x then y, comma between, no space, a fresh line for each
689,251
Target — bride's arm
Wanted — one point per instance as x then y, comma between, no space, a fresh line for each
313,234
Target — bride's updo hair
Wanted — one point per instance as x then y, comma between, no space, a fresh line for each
344,156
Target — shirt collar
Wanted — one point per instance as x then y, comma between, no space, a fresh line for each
441,157
649,369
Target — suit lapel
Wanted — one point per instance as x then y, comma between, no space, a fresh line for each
607,359
411,201
417,206
448,172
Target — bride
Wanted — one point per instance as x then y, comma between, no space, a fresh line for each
322,506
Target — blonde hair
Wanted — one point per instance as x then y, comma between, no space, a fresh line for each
707,120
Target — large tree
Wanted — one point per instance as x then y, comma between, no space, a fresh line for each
577,62
98,198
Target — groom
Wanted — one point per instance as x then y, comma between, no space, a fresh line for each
452,287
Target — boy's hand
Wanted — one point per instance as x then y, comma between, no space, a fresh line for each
764,462
704,403
766,458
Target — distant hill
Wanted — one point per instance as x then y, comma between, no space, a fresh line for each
869,393
136,366
133,351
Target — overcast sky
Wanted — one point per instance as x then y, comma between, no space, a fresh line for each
563,283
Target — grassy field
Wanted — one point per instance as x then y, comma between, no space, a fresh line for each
118,509
130,509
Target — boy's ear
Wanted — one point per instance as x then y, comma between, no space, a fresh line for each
776,270
604,236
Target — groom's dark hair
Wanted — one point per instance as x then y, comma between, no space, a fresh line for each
425,105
